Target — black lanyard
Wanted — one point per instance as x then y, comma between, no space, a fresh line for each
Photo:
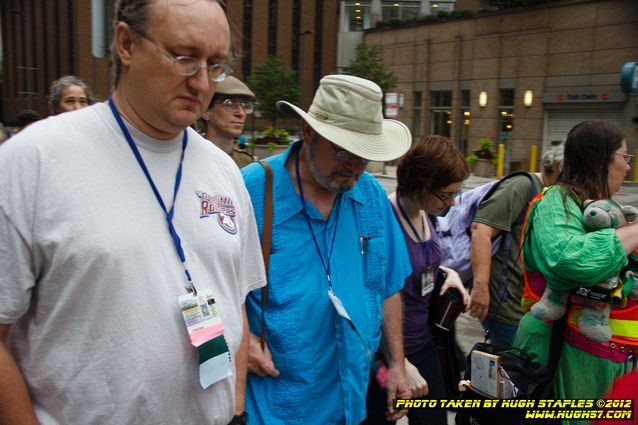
178,178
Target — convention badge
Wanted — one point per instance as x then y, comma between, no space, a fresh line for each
427,282
336,302
206,333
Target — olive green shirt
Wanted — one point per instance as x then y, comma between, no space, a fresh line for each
241,157
500,211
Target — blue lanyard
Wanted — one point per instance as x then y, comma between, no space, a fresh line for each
424,244
178,178
325,264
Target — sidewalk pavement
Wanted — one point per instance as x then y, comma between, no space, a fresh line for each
627,195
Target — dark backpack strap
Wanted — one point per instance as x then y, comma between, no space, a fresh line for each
556,343
506,242
506,239
266,241
553,358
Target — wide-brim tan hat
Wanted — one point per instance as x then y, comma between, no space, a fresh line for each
347,111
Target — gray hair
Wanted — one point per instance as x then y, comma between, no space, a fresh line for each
58,86
553,156
134,13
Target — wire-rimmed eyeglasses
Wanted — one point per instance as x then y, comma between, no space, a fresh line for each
446,196
343,155
188,66
232,104
626,156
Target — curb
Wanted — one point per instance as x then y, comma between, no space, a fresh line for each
384,176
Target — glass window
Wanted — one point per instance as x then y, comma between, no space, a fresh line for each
405,9
467,120
416,120
436,6
506,123
356,16
441,98
507,98
272,27
465,98
441,112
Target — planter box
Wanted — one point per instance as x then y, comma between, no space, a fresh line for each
263,151
483,168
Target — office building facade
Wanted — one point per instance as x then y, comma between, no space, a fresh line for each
518,77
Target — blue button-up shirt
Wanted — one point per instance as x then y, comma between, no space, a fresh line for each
323,363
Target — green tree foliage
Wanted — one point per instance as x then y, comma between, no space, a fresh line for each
367,64
272,80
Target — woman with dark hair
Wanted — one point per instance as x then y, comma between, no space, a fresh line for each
429,176
559,252
68,94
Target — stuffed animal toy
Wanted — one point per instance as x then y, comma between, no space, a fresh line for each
594,319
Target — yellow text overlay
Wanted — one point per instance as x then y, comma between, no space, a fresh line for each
536,409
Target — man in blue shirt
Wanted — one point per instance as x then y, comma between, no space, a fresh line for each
338,260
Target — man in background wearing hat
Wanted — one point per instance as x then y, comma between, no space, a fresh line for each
226,116
337,262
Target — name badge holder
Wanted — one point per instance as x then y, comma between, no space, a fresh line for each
427,276
203,323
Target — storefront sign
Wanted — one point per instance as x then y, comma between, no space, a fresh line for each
583,97
391,105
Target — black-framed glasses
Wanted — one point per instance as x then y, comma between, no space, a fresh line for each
343,155
446,196
188,66
232,104
626,156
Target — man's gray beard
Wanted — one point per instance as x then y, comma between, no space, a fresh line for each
324,181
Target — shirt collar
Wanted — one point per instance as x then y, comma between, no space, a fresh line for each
284,195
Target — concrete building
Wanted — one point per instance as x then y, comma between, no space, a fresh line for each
357,16
519,77
45,39
303,34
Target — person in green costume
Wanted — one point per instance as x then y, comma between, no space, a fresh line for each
558,248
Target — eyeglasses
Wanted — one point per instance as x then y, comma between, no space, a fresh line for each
342,155
232,104
627,157
446,196
189,66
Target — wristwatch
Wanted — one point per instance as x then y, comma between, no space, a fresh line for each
240,419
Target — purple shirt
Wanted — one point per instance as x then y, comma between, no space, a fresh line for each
416,327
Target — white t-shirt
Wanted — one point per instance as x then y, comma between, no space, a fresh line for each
90,275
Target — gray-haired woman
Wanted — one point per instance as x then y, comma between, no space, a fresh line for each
69,93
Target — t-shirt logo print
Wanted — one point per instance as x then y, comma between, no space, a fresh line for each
222,206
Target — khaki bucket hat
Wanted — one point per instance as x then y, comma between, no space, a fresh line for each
347,111
231,86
